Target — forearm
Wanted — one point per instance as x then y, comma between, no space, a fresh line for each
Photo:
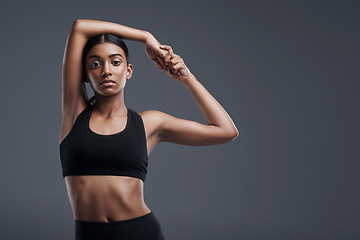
91,28
213,112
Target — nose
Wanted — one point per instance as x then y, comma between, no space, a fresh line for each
106,70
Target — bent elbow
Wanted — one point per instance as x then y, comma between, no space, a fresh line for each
76,22
234,135
231,136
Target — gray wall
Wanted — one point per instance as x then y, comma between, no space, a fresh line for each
285,71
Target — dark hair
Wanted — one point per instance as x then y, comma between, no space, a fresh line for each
108,37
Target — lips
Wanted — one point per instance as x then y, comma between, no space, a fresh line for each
107,81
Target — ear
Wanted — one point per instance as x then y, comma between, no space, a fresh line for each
129,71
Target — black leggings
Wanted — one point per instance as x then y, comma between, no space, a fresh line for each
146,227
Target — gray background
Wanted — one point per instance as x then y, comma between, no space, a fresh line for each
285,71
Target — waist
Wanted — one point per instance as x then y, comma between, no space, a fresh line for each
105,198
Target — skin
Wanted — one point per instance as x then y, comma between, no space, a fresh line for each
116,198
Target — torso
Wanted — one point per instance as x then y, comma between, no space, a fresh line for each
107,198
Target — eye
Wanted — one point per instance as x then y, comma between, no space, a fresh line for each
95,64
116,62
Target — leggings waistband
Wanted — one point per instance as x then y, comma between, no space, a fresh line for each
146,227
83,222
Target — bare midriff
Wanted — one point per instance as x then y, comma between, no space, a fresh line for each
103,198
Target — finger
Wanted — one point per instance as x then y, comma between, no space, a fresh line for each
175,60
167,58
162,63
172,64
170,53
177,66
173,55
162,52
167,70
167,47
158,64
172,59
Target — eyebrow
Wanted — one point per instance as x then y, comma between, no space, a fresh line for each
112,55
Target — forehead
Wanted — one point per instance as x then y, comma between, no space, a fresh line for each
105,49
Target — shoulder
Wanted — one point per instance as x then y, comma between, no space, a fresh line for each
152,117
154,120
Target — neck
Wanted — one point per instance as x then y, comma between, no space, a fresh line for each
110,106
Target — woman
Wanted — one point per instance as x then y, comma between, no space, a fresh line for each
104,145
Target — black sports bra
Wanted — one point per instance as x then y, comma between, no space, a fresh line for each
84,152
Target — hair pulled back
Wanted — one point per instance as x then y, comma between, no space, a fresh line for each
108,37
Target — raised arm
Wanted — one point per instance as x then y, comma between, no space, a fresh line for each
90,28
220,127
74,97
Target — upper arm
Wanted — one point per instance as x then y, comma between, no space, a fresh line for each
186,132
73,88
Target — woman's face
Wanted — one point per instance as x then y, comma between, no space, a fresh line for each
107,61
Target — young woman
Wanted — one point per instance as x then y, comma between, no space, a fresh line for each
104,145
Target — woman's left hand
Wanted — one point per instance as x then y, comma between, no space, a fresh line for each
175,67
152,48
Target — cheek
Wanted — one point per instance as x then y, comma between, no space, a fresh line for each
94,74
120,70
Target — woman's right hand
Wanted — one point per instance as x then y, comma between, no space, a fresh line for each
154,52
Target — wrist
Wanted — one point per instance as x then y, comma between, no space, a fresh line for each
187,81
146,35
